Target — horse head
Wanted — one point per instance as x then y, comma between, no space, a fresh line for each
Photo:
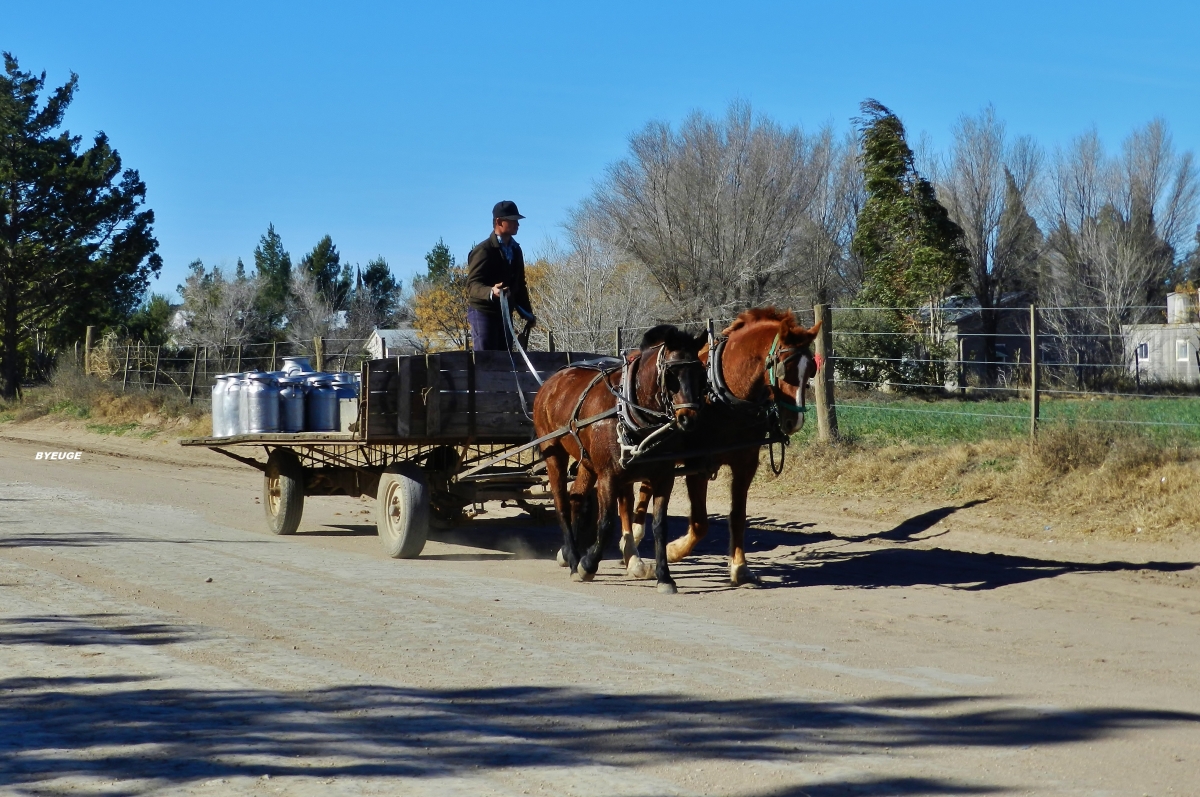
678,373
770,357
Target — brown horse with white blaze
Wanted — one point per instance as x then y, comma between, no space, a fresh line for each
666,384
762,364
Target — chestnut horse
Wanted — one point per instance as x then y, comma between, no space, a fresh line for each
758,381
664,391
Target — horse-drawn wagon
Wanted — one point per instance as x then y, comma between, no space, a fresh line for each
426,424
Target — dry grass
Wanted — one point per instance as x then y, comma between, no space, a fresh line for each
1085,480
108,410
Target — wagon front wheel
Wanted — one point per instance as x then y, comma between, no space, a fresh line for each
402,511
283,491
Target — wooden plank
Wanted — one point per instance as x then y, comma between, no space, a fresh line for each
507,424
403,397
489,383
433,416
459,402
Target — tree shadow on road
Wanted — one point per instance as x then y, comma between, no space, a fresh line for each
102,628
111,728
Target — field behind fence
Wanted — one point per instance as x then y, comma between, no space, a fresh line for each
941,374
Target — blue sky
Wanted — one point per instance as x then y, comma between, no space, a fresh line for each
389,125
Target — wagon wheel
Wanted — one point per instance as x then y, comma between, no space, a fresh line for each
402,511
283,491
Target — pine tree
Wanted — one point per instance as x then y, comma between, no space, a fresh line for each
439,263
274,267
324,265
382,288
76,247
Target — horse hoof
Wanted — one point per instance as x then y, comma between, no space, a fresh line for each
667,588
562,560
743,576
579,574
640,569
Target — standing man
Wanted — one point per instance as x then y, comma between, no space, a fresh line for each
495,265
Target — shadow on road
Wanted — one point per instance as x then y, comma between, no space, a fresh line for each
116,729
102,628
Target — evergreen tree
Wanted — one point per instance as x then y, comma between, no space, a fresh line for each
382,288
76,247
439,263
324,265
274,266
150,322
912,253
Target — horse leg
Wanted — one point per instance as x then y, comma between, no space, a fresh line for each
606,499
633,529
580,516
697,487
662,495
740,574
556,476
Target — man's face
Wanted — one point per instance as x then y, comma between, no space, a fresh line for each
507,226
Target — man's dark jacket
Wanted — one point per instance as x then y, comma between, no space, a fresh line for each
486,267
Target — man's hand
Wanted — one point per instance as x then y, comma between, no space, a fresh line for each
499,286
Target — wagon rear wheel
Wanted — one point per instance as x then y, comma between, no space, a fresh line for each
283,491
402,511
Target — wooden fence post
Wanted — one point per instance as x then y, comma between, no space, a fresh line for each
274,349
550,340
192,385
1034,408
618,342
319,353
827,426
157,355
238,369
88,342
125,374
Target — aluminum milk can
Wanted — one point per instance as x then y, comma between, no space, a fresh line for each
320,405
218,405
347,393
291,404
296,365
232,411
260,404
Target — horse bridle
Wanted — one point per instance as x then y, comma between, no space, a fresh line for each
635,415
775,364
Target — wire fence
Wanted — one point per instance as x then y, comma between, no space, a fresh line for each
191,371
939,361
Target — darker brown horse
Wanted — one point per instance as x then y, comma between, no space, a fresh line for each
662,394
757,379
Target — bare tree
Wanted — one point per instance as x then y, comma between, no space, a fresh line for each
986,180
584,292
715,211
219,312
1119,225
827,267
311,315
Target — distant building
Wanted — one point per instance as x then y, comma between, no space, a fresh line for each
393,342
1167,352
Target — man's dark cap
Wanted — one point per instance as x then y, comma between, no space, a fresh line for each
506,210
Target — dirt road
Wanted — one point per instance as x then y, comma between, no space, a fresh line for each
155,639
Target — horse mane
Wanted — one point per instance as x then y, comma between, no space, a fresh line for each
794,332
673,338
